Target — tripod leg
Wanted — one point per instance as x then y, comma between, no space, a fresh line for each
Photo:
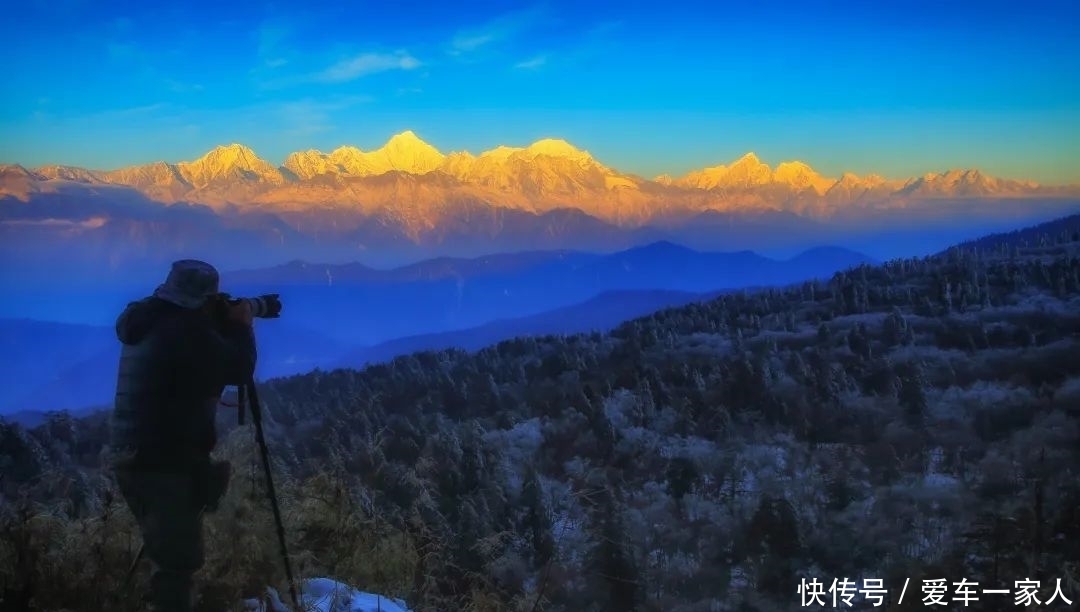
134,564
256,418
241,392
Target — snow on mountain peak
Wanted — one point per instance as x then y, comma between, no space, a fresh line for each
801,176
407,140
16,170
748,171
500,152
68,173
408,136
851,181
228,162
345,152
549,173
555,147
310,163
235,147
793,168
460,155
749,158
232,155
407,152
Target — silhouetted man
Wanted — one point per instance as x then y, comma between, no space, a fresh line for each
178,354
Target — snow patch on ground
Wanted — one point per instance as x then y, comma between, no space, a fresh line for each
326,595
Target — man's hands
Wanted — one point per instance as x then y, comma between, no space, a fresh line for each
241,312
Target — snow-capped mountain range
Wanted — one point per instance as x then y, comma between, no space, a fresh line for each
407,196
546,175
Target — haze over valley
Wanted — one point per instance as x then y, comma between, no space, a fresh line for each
335,311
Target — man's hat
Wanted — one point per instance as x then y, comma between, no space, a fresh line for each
189,283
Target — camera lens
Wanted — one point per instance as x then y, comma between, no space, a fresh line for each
265,306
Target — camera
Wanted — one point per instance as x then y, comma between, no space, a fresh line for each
267,306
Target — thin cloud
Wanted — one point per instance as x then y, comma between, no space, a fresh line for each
469,42
499,29
303,116
140,62
307,116
532,64
597,41
367,63
269,37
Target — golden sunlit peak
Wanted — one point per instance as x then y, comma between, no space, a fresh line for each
556,147
793,165
234,153
230,152
500,152
408,143
409,140
791,169
406,136
345,151
553,145
749,158
234,148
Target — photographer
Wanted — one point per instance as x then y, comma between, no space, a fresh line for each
181,347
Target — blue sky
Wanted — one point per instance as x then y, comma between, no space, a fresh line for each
897,88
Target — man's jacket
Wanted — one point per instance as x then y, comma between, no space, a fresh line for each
174,364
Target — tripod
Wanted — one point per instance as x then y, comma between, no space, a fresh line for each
249,390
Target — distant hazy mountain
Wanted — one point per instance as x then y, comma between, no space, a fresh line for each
329,310
407,201
58,366
601,313
91,381
363,306
660,264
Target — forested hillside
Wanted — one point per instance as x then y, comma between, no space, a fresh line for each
913,420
